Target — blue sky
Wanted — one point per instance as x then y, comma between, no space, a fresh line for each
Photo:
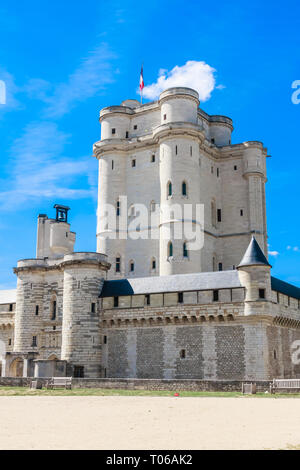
63,61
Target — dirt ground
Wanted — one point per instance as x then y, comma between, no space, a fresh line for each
118,422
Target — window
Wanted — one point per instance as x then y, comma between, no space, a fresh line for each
118,264
219,213
93,307
104,339
213,213
116,301
176,150
147,299
118,208
182,354
183,189
127,134
112,164
274,354
185,251
212,141
215,295
10,307
262,293
53,312
218,172
170,249
241,212
36,309
169,189
212,170
191,151
180,297
79,372
133,163
235,168
34,342
54,328
113,131
165,117
220,267
131,266
153,264
152,158
9,342
135,127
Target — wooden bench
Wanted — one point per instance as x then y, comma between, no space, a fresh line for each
284,384
65,382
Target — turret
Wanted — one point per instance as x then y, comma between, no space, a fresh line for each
254,274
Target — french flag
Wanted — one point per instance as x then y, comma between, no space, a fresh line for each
141,80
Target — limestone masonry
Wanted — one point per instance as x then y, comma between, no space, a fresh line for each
148,306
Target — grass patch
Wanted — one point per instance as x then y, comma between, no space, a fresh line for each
98,392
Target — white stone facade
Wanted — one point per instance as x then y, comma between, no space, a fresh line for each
144,148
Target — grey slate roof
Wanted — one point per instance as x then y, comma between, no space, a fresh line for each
253,255
285,288
8,296
173,283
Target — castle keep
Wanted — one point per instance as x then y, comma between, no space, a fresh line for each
148,306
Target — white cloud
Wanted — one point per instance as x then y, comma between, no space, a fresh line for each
90,78
273,253
194,74
40,169
294,248
11,91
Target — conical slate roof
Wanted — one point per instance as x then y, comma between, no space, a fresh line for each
253,255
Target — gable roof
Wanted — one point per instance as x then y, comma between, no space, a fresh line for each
285,288
173,283
253,255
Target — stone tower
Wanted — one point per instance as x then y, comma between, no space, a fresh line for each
171,153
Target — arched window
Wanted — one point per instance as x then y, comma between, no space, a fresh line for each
169,189
118,264
184,189
185,250
170,249
131,266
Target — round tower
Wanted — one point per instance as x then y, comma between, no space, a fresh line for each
179,178
84,274
254,274
220,129
255,173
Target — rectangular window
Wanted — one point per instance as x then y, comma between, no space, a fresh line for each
104,339
113,131
191,151
112,164
220,267
10,307
153,158
218,172
93,308
34,342
182,354
53,310
116,301
79,372
127,134
165,117
262,293
235,167
219,213
241,212
176,150
133,163
9,342
153,264
180,297
131,267
212,170
118,265
215,295
147,299
212,141
36,309
135,127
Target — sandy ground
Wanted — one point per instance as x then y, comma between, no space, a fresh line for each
148,423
